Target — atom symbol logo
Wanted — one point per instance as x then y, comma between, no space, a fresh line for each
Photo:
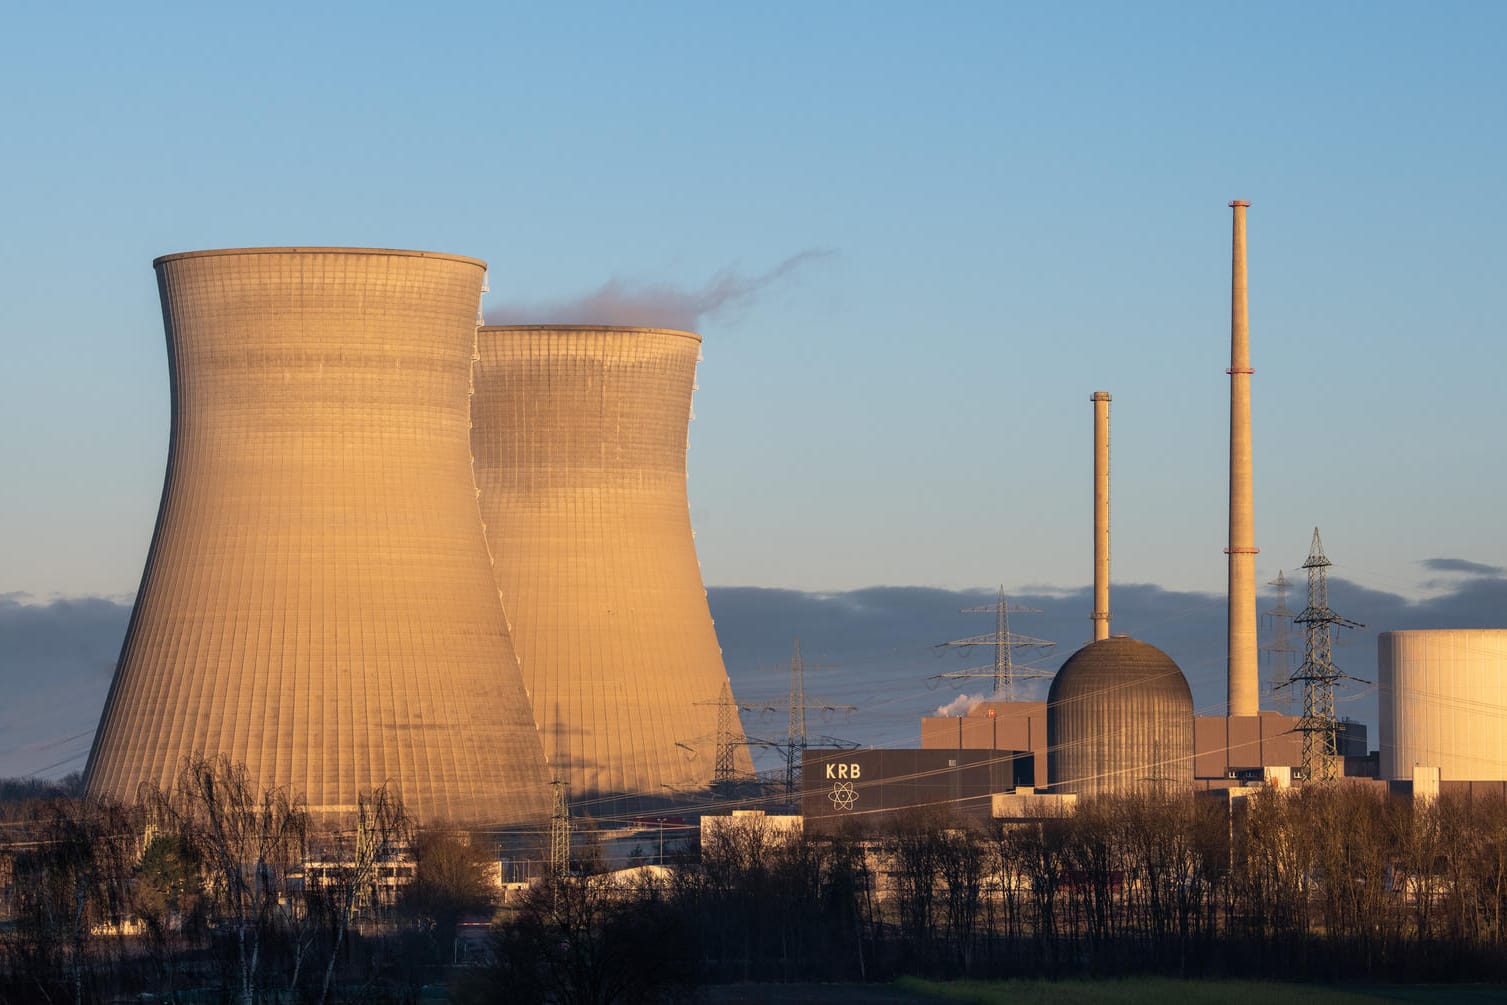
843,795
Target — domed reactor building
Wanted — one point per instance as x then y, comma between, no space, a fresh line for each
580,439
1119,720
318,601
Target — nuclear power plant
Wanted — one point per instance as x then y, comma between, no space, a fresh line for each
398,547
580,437
318,601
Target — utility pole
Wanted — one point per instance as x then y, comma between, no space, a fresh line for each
1004,671
1318,673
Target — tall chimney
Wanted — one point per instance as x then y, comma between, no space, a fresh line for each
1242,549
1101,514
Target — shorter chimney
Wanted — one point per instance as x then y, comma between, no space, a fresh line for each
1101,514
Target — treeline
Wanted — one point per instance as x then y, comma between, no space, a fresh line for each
213,885
1322,883
216,886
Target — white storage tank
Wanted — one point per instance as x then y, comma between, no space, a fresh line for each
1443,703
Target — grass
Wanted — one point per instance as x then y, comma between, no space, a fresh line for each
1164,990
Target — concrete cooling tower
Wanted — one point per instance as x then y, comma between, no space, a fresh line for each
580,444
318,601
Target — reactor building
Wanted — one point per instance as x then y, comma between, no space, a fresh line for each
580,437
318,601
1119,719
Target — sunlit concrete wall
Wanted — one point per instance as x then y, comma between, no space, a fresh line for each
580,443
1119,720
318,601
1442,699
994,725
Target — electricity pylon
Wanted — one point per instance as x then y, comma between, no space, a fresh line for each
1004,671
793,744
1279,649
1318,673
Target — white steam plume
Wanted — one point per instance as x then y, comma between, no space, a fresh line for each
961,705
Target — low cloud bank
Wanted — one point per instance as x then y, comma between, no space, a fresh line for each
876,648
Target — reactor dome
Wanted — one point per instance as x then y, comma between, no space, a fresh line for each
1119,719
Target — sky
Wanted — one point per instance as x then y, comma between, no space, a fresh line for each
915,239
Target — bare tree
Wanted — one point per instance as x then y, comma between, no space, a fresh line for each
350,881
247,840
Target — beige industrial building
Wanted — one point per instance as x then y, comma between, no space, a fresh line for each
580,441
318,601
1442,698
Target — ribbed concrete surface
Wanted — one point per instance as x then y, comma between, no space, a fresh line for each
318,601
1119,719
580,443
1442,695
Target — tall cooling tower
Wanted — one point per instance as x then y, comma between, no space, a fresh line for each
580,444
318,601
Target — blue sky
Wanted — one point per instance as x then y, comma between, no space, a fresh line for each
1022,204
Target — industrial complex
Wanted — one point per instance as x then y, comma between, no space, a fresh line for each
398,547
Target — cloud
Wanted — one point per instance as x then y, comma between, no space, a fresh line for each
1460,565
875,648
56,661
654,305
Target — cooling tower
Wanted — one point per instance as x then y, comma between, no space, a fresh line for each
580,444
318,601
1119,720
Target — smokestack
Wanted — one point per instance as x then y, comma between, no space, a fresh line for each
1101,514
1242,549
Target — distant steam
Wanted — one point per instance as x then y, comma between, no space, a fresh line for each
961,705
654,305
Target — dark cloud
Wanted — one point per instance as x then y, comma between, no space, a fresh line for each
1462,566
654,305
875,648
56,660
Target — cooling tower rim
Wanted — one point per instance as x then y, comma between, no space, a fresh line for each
307,250
604,329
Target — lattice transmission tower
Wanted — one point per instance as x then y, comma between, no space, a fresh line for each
559,830
1318,674
1004,671
1279,650
793,745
